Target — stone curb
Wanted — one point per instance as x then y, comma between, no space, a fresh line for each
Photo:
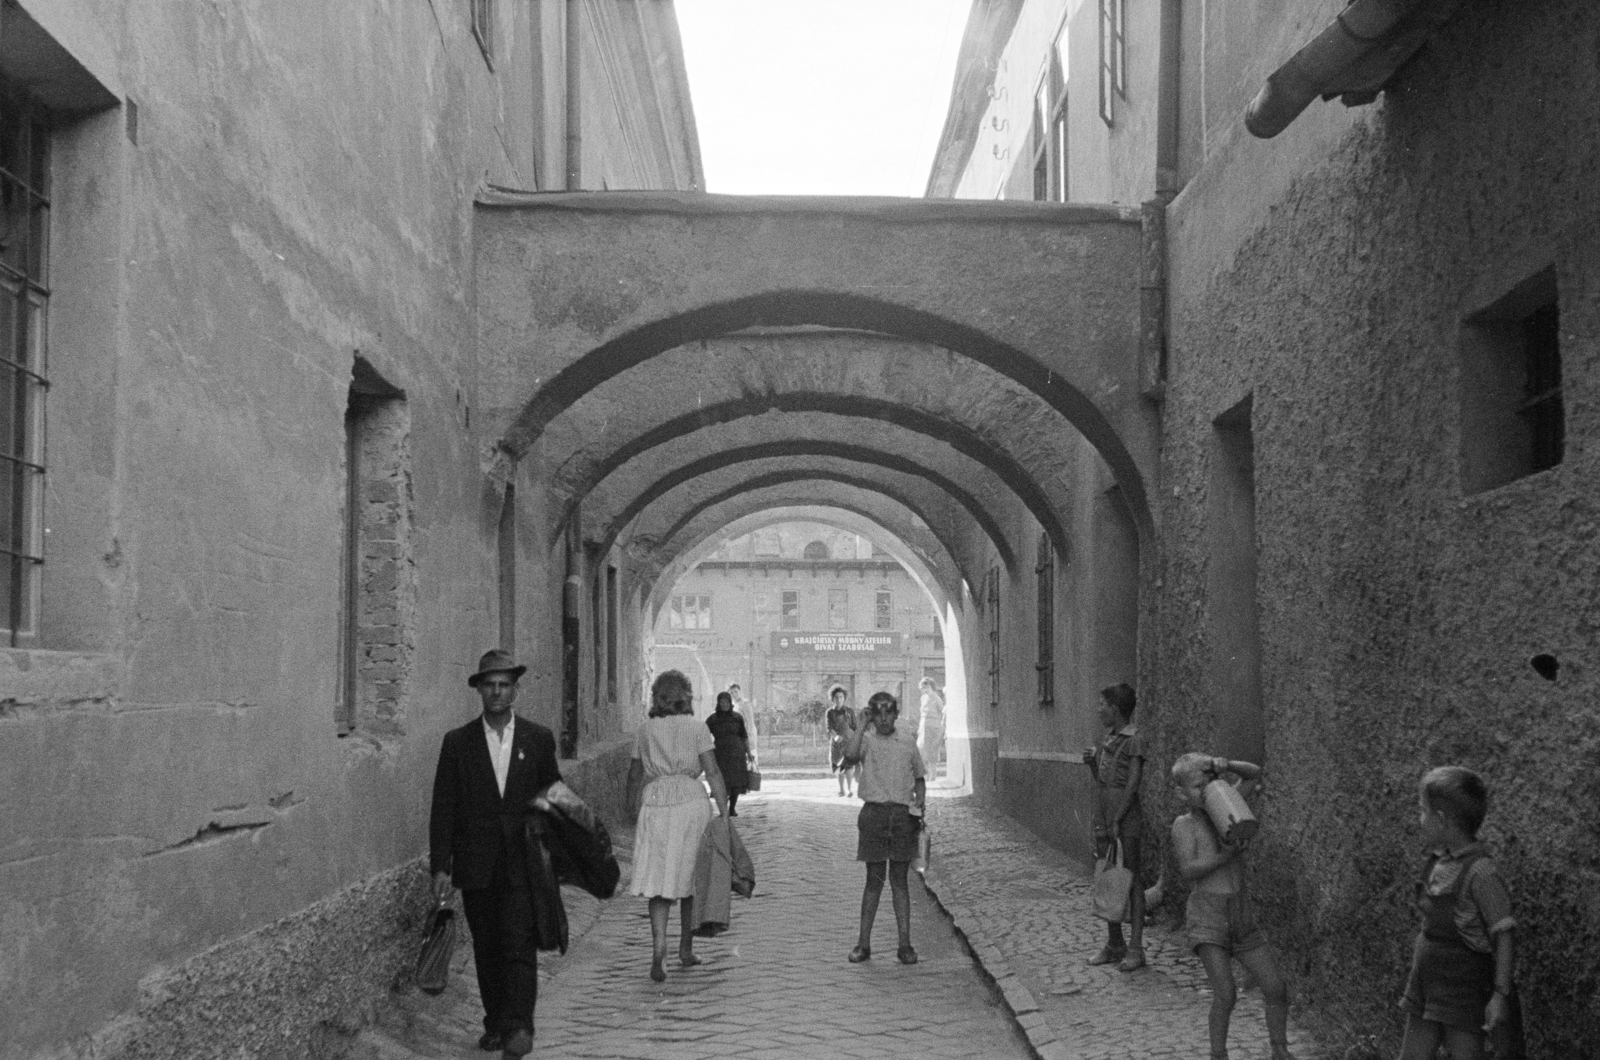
1019,1000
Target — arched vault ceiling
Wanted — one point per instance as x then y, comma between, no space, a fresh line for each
981,492
946,399
963,537
899,530
843,519
574,289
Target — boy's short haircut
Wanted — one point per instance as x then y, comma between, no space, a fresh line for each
1459,794
881,701
1193,764
1122,697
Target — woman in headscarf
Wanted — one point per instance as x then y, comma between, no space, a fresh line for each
732,749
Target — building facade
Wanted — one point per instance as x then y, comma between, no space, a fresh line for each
790,612
1374,322
249,558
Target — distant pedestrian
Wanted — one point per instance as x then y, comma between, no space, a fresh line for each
930,730
732,749
671,749
841,721
1220,918
1460,986
492,771
894,790
1118,766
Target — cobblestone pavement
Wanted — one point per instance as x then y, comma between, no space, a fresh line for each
1025,910
1007,978
776,986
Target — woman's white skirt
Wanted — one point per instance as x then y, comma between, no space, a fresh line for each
667,837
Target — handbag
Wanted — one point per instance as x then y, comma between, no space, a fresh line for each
1112,881
755,780
433,963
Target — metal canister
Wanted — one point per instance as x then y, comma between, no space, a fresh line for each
1229,812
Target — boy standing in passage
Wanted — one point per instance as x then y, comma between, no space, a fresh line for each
892,784
1219,917
1460,982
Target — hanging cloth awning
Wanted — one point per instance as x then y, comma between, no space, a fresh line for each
1353,58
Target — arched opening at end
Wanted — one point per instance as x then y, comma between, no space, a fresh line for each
761,606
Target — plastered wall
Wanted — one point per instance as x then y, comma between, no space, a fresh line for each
1325,275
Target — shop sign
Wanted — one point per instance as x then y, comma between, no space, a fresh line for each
797,642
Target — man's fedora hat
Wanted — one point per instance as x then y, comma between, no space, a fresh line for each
496,661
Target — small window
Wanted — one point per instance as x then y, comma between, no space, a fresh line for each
1050,127
1513,422
24,294
817,550
764,609
690,611
838,608
883,610
483,18
1113,57
1046,666
789,616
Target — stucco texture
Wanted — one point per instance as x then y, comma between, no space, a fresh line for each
1398,614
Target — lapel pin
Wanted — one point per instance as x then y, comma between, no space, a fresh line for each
519,756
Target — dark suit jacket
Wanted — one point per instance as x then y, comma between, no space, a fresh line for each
472,827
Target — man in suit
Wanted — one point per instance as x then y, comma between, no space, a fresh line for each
490,771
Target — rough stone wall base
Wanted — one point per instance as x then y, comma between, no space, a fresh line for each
296,989
600,777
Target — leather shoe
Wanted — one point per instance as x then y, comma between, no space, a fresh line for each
518,1043
859,954
491,1041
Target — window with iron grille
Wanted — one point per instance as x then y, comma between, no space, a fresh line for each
483,28
1050,127
1113,57
992,604
883,611
1046,666
24,295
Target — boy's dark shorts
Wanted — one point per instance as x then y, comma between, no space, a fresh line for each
1224,920
1449,984
886,832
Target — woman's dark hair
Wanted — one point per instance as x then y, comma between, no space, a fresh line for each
1459,794
671,694
879,702
1121,697
724,697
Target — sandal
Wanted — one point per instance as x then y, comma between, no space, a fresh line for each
859,954
907,955
689,960
658,974
1109,955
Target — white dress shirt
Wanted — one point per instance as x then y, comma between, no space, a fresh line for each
500,750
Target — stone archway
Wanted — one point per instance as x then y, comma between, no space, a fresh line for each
576,288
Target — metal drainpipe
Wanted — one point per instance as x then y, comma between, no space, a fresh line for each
574,115
1153,215
572,591
571,627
